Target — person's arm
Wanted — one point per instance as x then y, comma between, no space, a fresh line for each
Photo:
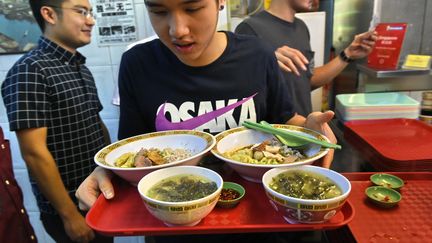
318,121
291,60
281,108
359,48
326,73
44,170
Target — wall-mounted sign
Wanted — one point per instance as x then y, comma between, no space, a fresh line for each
115,21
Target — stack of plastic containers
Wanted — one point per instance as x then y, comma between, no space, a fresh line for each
366,106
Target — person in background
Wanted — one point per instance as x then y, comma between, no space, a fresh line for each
14,221
194,77
289,37
53,106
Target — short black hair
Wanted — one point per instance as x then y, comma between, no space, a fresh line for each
36,7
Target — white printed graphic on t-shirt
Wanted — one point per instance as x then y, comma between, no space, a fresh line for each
213,119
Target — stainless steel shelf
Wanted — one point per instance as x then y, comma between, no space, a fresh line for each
390,73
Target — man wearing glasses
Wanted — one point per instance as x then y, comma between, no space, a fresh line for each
52,105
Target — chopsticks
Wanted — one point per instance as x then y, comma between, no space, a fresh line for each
292,142
287,134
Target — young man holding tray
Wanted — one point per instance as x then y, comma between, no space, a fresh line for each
189,70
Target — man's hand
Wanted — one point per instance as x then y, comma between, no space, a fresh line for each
89,190
318,121
77,229
291,60
362,45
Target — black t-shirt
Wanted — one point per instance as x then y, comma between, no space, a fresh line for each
278,32
159,92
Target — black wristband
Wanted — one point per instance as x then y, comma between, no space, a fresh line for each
345,58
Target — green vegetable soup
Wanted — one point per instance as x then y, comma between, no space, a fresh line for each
305,185
181,188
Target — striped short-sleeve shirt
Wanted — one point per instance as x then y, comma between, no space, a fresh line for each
51,87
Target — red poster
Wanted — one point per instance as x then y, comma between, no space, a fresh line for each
385,54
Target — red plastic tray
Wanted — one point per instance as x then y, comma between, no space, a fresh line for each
409,221
393,144
127,215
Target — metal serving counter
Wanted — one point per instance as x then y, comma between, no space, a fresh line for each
391,73
373,80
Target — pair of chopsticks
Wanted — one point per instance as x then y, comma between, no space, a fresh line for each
287,134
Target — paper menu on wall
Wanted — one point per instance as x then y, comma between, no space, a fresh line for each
385,54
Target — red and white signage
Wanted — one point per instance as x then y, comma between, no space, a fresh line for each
385,54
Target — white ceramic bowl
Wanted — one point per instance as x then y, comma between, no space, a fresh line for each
196,142
187,213
295,210
239,137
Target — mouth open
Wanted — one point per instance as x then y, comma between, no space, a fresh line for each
184,47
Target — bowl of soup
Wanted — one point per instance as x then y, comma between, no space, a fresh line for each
180,195
306,194
134,157
239,148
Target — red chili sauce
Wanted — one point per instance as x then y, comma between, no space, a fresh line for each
229,194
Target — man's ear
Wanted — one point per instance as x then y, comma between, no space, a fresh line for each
49,15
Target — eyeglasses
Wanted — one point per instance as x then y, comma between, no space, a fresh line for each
82,11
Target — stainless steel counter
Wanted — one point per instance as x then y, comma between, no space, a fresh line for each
391,73
373,80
